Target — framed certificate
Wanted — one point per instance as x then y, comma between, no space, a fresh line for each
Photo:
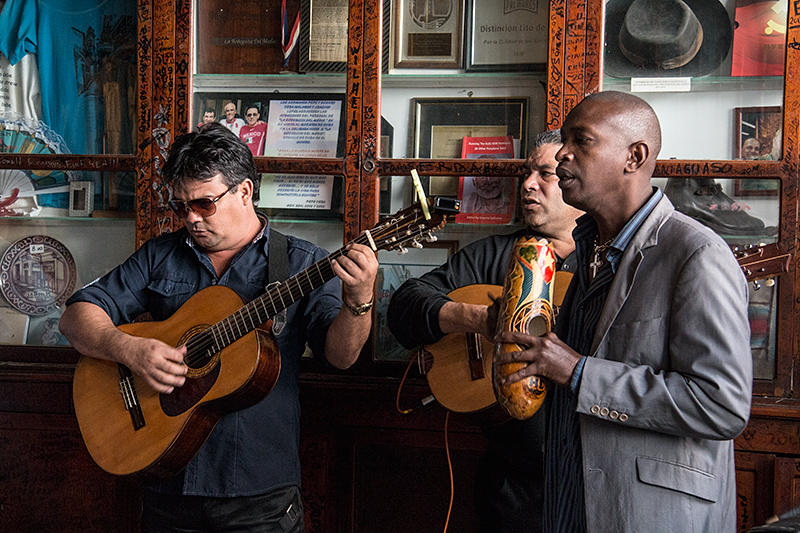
440,125
506,36
323,35
428,33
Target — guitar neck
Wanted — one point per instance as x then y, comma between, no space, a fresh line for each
277,298
407,227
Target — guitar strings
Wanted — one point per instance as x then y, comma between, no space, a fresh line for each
204,345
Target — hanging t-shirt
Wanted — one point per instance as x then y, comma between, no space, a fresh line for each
80,45
253,137
20,95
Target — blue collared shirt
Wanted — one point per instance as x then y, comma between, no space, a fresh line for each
255,450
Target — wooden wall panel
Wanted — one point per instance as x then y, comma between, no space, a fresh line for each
754,482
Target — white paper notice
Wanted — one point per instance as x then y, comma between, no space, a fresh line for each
303,128
661,85
290,191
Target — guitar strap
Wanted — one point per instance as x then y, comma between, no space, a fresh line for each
277,271
278,259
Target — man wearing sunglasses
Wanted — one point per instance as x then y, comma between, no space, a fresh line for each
247,474
254,133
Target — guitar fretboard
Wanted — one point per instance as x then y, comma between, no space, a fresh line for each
406,226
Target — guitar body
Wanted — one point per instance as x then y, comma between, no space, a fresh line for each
175,425
456,384
451,379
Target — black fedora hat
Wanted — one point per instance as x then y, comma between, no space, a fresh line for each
650,38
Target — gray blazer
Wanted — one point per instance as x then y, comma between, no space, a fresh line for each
669,384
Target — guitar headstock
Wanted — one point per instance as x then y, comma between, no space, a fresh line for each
764,261
411,226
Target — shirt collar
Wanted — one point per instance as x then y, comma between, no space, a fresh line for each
586,231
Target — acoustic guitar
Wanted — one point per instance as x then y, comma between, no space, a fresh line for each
232,356
459,366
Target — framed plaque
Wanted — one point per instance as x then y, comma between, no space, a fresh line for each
440,125
506,36
428,33
242,37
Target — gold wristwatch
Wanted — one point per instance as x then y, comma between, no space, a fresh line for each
359,310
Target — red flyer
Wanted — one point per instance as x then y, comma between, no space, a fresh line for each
758,38
486,199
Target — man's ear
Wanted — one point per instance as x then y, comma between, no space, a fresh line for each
638,154
247,189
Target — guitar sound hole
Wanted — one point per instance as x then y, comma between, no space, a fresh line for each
199,356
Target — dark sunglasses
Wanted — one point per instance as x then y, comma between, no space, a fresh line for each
205,207
252,114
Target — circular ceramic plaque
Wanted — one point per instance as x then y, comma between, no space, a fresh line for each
37,275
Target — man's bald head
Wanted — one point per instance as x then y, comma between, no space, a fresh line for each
634,117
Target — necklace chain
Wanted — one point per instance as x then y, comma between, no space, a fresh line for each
599,259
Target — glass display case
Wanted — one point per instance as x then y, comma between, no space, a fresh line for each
714,74
381,89
67,129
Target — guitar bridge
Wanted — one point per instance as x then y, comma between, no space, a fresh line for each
129,397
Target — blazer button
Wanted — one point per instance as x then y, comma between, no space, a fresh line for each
623,417
613,415
595,409
604,411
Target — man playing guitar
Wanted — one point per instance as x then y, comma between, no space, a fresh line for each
508,487
247,474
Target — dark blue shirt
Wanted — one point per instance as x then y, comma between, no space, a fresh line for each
564,507
255,450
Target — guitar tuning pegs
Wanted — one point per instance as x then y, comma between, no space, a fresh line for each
770,282
402,250
431,237
756,285
415,244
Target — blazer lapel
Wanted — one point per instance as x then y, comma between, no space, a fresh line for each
646,236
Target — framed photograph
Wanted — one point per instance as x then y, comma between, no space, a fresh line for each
428,33
81,198
393,270
325,139
757,136
507,36
440,125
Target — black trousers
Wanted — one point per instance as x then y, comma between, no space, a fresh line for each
280,511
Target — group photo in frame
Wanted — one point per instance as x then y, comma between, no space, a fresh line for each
758,133
295,125
428,34
393,270
506,36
